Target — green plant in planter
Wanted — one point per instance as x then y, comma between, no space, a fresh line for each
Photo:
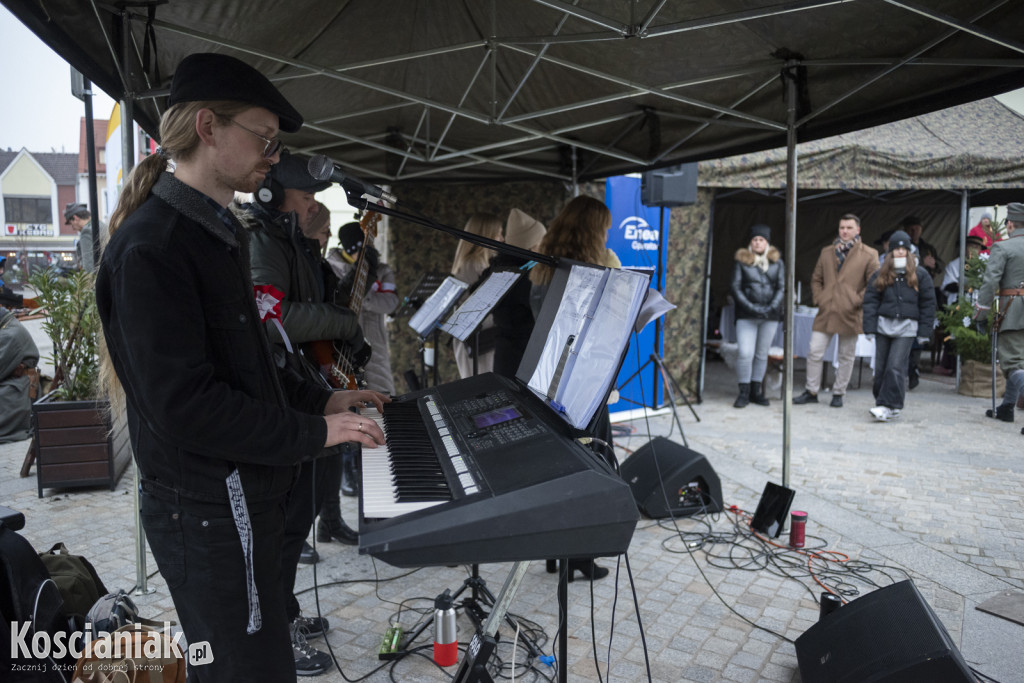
72,324
958,317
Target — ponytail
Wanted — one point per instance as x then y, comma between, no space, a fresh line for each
136,189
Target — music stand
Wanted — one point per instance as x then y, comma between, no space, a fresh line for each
425,320
467,318
426,286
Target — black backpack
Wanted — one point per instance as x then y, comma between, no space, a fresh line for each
28,596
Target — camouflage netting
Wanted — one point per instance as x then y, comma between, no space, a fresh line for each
415,250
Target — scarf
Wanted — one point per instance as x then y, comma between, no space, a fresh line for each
843,248
761,261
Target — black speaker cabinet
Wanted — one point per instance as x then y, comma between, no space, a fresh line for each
687,483
890,635
671,186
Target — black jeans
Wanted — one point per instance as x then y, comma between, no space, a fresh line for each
303,504
891,357
199,554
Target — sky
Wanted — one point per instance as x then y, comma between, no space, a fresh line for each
42,115
39,111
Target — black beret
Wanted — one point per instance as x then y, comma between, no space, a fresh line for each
210,76
292,173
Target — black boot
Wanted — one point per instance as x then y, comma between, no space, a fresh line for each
588,568
756,396
1004,412
744,398
331,526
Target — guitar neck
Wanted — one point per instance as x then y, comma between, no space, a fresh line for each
358,293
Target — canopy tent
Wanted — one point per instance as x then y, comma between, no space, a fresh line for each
547,89
445,91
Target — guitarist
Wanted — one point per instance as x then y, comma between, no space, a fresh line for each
379,299
284,257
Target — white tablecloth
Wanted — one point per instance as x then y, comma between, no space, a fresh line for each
803,320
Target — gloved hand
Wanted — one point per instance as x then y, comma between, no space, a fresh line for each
923,341
870,337
982,324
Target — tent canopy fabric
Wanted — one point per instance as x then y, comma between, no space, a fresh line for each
457,90
971,146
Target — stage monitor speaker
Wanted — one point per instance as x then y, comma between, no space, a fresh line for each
690,483
890,635
672,186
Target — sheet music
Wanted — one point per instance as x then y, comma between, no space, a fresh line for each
599,308
472,312
424,320
655,306
582,285
586,384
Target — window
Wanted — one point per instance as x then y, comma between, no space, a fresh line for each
28,210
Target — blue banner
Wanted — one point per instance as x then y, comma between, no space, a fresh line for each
639,237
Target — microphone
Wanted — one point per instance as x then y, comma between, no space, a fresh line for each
323,167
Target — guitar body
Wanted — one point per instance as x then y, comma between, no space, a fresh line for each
335,358
326,355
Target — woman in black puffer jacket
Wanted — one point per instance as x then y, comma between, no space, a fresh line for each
899,307
758,283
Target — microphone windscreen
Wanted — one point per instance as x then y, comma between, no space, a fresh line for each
320,167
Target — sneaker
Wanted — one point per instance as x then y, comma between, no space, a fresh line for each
837,401
806,397
308,660
881,413
894,413
311,627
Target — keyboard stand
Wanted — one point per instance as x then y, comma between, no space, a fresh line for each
480,598
473,668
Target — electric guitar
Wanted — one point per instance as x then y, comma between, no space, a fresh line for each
338,362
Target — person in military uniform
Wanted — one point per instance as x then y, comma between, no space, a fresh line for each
1004,279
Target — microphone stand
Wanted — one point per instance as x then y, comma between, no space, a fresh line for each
356,200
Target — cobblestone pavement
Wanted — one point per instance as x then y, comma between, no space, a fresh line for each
933,495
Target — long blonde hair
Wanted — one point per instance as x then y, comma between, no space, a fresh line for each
579,232
474,255
179,142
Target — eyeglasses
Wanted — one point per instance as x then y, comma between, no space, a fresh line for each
273,145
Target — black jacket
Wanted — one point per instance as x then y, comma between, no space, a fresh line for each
203,391
758,293
513,317
900,301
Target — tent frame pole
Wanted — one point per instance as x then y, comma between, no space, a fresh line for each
789,75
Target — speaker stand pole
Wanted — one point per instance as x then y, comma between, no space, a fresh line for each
672,387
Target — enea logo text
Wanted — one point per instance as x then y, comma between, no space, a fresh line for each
641,235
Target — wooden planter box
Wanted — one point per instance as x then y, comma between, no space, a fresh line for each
74,446
976,380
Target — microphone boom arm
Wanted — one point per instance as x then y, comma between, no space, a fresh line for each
356,199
